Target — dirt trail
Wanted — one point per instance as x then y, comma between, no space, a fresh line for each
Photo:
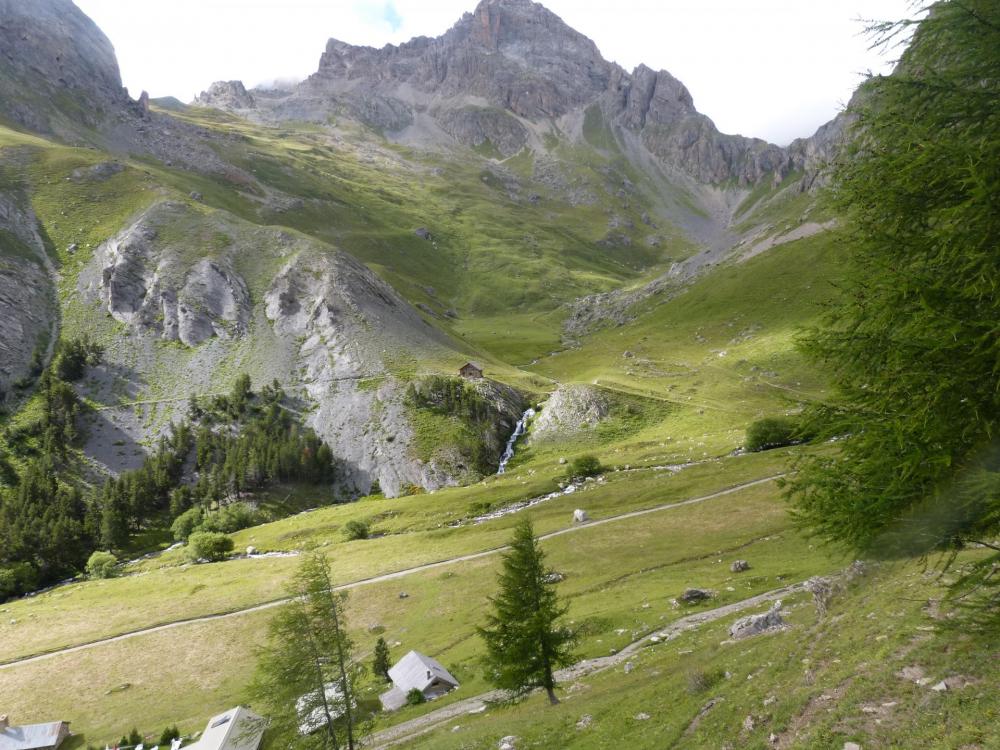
378,578
430,721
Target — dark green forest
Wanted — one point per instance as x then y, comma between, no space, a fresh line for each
226,448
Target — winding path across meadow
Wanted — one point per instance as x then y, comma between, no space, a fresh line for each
13,663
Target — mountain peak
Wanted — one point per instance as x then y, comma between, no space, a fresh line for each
511,67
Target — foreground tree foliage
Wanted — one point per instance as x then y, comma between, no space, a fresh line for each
526,641
306,675
914,344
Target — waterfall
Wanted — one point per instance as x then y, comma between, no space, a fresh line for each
522,427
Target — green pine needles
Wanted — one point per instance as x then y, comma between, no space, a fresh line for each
306,675
914,343
525,638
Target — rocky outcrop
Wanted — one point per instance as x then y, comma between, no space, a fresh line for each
228,95
570,410
507,405
747,627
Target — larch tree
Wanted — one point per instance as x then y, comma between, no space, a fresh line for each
913,342
526,639
306,675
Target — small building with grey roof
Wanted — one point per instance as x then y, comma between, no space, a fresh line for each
237,729
47,736
417,671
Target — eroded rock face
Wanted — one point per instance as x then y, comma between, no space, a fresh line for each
27,304
475,126
345,318
752,625
515,54
661,109
149,286
320,322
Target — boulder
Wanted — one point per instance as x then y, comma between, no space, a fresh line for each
690,596
753,625
739,566
508,743
580,516
423,233
251,550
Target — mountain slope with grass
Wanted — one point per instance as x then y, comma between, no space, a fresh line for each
232,332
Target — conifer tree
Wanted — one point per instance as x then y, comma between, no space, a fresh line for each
526,641
306,673
912,344
380,661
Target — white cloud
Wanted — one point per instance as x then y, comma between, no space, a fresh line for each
775,69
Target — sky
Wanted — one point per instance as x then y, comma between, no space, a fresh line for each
774,69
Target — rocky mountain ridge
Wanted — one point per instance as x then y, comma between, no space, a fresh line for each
509,73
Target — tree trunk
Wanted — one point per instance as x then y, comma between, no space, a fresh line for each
552,695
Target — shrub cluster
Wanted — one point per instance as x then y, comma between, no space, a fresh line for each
583,466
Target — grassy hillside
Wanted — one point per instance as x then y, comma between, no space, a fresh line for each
645,562
664,416
849,675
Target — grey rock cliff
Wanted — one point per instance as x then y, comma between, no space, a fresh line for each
57,67
59,77
28,311
228,95
512,65
316,319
